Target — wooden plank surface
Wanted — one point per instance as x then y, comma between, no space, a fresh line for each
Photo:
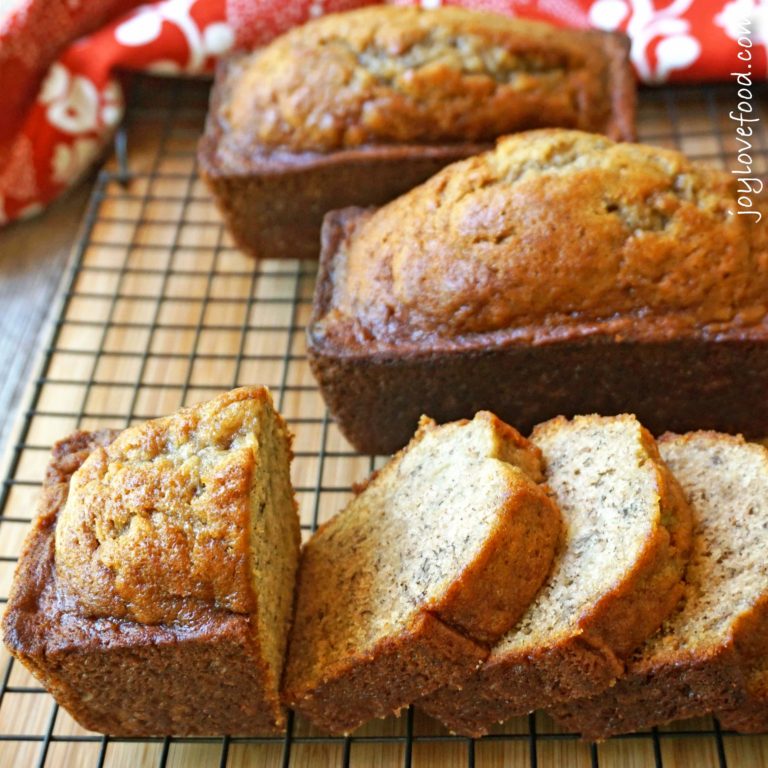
33,255
163,311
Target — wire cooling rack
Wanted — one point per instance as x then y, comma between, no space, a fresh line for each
158,309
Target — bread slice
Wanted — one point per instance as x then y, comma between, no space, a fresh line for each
405,589
696,663
626,536
155,591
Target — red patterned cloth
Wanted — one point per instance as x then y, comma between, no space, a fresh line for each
61,100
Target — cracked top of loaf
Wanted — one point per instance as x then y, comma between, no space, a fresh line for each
162,520
388,75
553,230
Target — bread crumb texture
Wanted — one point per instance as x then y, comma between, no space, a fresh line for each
700,659
553,228
617,575
726,481
608,479
454,527
389,75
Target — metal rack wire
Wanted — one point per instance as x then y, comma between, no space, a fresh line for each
158,309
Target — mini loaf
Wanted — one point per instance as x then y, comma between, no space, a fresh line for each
699,660
356,108
155,590
617,576
405,589
561,273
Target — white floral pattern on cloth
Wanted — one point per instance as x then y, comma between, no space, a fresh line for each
256,22
71,102
735,13
146,26
70,161
80,102
65,126
660,30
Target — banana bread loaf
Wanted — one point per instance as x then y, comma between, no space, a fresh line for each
406,588
155,590
356,108
616,577
699,660
561,273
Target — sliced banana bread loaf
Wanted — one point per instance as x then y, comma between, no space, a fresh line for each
406,588
589,276
617,575
356,108
155,591
698,661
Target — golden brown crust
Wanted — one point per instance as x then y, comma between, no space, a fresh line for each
36,559
499,690
590,658
68,455
118,677
751,716
657,240
207,674
751,641
673,686
657,306
158,522
514,448
395,75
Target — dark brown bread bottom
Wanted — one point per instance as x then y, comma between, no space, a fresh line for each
120,677
432,654
751,716
275,210
677,385
495,693
645,698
